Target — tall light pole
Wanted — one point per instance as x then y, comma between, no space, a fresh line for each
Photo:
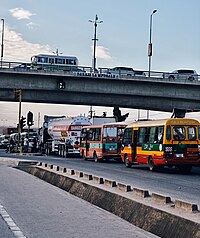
2,41
96,22
150,43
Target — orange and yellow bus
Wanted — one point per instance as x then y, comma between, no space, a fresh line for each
172,142
102,141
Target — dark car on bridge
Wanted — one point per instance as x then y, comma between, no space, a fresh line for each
23,66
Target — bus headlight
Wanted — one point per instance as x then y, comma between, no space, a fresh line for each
179,155
199,148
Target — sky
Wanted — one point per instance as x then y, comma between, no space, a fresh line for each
33,27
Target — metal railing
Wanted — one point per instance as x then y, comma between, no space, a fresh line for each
86,71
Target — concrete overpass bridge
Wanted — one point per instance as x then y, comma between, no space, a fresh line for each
137,92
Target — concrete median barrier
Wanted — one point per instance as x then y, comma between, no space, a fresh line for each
110,183
98,180
71,171
79,174
161,198
141,193
124,187
64,170
87,176
50,166
163,222
190,207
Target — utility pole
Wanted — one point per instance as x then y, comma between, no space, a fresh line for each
38,120
150,46
2,41
19,92
90,113
96,22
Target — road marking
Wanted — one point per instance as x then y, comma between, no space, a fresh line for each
11,224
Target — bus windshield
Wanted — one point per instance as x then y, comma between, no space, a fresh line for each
179,133
192,133
110,132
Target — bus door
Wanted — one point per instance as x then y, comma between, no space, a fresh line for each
87,144
120,132
134,145
84,140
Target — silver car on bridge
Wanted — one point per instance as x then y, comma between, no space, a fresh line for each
188,74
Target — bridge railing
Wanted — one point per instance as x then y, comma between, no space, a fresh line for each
86,71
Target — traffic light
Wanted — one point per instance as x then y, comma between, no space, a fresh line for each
22,122
18,93
61,84
30,119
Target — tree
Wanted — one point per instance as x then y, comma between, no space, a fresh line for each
117,114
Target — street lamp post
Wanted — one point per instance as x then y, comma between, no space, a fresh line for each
2,41
19,93
95,39
150,43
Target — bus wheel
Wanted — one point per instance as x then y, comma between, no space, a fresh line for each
151,164
84,158
185,169
126,161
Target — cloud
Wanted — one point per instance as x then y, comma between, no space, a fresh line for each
103,53
21,13
32,25
19,50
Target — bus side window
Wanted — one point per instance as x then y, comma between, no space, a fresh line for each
147,135
84,134
105,133
127,137
153,135
160,134
51,60
144,135
168,133
90,134
97,134
199,132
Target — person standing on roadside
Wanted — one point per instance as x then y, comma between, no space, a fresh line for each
25,144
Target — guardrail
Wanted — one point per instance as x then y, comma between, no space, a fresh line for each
86,71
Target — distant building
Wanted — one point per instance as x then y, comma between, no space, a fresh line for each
9,130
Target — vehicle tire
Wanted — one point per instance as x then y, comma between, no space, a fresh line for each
107,160
152,166
191,78
85,158
171,77
185,169
127,162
